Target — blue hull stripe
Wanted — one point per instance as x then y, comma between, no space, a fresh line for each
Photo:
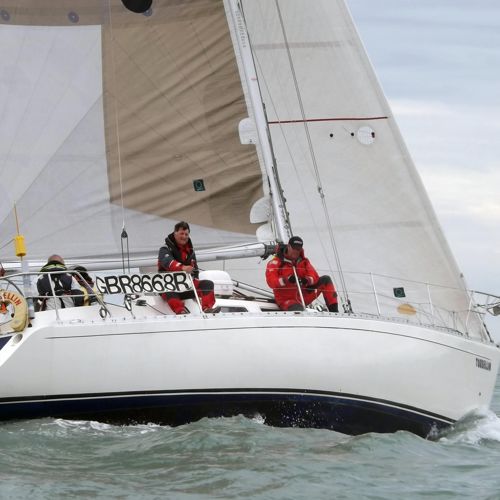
345,413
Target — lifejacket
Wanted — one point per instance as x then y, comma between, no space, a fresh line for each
172,258
65,286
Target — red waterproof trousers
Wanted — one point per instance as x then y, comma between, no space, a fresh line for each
204,290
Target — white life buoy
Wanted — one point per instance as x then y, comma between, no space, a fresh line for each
19,319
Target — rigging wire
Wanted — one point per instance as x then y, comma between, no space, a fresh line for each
6,244
321,193
289,149
124,235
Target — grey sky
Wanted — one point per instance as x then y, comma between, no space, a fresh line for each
439,64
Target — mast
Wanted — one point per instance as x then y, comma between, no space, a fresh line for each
283,230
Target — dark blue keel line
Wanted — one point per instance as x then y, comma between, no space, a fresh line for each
349,414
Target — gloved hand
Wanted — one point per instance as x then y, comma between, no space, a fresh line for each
303,281
291,278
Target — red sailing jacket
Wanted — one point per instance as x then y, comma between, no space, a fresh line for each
279,269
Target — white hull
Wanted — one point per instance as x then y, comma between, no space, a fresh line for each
348,373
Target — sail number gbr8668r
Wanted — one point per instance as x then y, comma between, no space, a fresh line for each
144,283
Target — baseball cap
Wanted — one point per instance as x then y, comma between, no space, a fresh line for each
296,242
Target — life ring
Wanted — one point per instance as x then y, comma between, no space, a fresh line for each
20,317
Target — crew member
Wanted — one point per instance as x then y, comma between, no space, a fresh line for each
280,276
65,288
178,255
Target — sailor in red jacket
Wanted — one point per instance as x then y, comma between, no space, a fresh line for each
178,255
281,278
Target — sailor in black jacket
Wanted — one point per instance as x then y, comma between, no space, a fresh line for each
63,285
178,255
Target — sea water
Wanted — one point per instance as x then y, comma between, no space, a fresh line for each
244,458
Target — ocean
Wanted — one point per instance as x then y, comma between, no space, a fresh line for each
232,458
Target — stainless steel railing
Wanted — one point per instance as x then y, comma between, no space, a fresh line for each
373,294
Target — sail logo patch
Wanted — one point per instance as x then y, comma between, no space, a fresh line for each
199,185
144,283
483,364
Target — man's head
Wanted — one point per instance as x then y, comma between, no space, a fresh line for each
294,247
56,258
181,233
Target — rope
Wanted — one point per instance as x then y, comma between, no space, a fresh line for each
5,244
113,66
124,238
124,235
321,193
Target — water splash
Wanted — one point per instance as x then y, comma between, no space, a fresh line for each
478,427
79,424
259,419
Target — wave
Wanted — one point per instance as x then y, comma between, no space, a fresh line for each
95,427
240,457
478,427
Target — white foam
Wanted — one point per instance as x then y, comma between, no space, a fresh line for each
93,425
478,426
81,424
99,426
259,419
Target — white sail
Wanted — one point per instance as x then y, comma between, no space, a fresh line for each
113,119
348,178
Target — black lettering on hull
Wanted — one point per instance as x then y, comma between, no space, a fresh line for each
484,364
